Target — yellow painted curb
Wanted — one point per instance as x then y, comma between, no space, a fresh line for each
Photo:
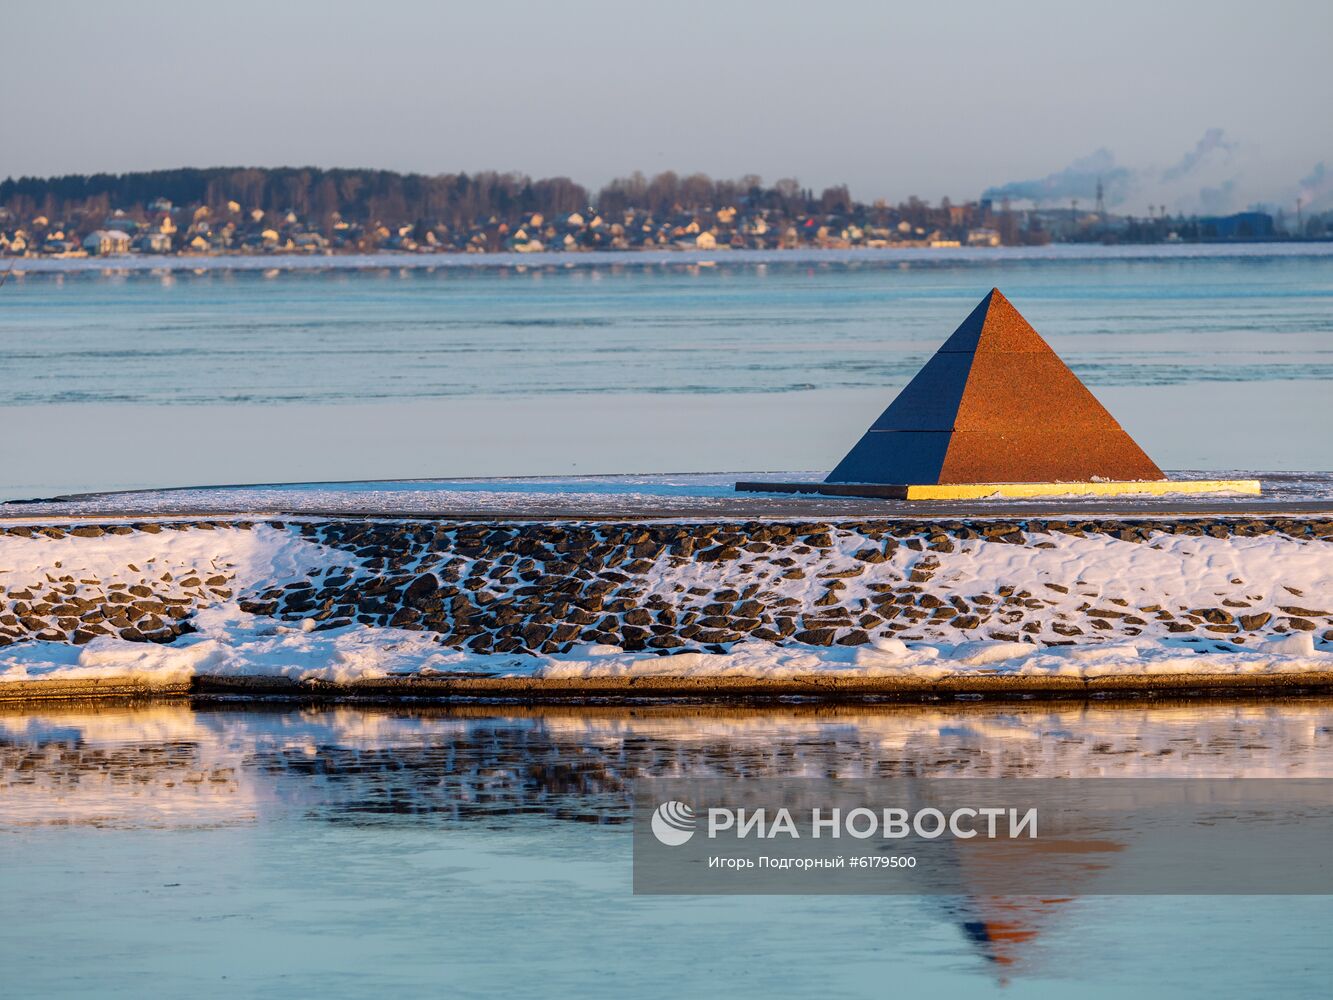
977,491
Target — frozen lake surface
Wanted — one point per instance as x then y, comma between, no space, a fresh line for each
265,370
709,495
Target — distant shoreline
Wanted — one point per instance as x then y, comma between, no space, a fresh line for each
649,258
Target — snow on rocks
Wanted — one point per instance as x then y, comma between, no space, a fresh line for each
340,599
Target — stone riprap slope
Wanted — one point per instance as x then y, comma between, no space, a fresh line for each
396,596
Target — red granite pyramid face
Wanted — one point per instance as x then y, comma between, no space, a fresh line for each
994,405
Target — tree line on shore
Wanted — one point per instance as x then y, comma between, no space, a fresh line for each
245,209
456,200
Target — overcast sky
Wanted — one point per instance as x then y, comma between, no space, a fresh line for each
892,98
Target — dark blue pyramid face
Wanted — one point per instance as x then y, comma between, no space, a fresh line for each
909,440
968,335
894,457
930,401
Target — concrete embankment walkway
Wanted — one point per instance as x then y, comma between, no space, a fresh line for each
666,689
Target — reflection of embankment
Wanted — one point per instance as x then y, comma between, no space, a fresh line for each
147,767
170,764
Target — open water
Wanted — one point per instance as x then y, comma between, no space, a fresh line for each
114,377
342,852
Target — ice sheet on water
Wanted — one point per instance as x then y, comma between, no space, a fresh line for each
664,495
887,257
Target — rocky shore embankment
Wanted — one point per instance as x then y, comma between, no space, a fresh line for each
986,592
545,587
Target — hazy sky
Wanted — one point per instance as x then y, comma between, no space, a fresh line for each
927,98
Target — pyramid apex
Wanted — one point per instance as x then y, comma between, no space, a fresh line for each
994,325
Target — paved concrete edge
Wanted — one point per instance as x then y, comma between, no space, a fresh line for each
94,688
602,690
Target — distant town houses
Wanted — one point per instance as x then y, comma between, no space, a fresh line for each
198,229
243,212
104,242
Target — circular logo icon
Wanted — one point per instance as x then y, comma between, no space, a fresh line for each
673,823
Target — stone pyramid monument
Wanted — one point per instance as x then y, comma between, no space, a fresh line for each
995,405
996,413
